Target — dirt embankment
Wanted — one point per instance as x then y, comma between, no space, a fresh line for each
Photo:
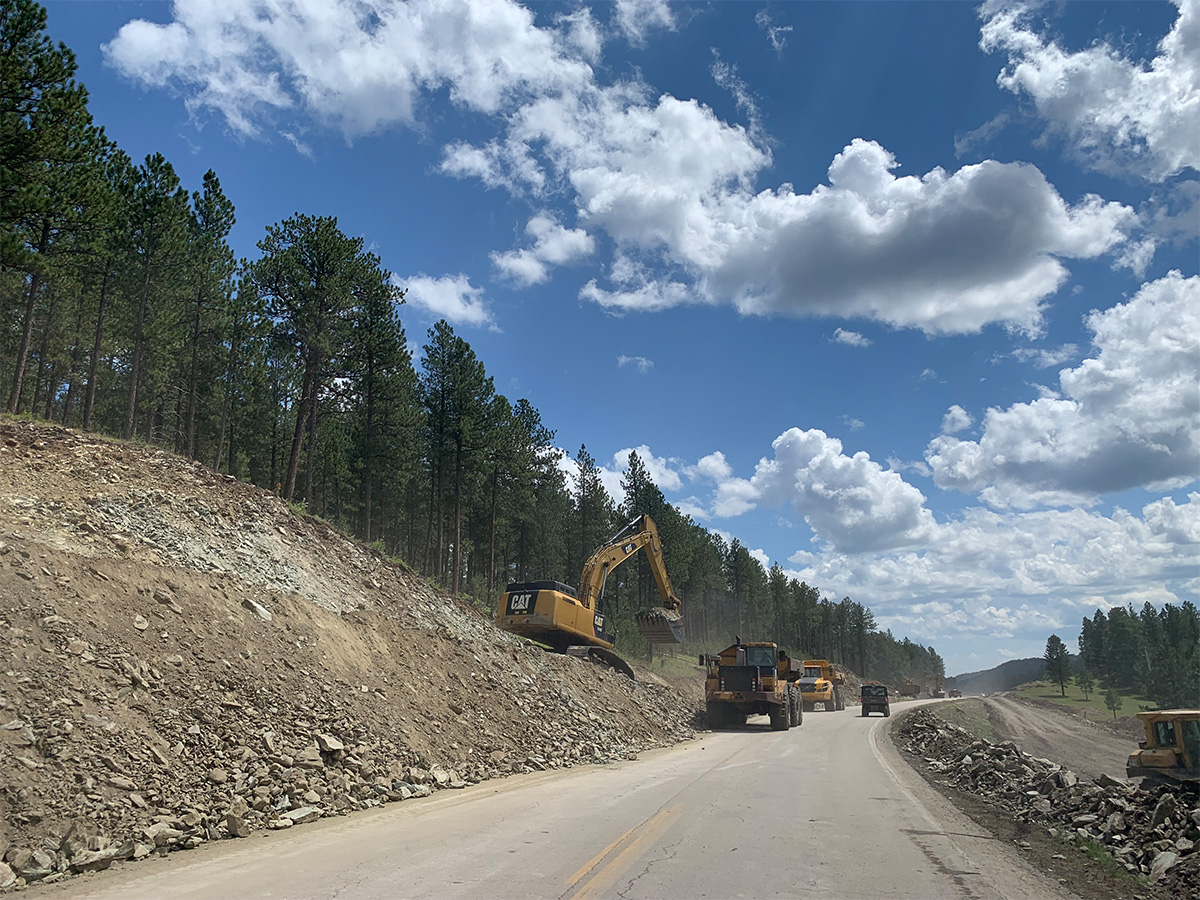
1047,730
187,659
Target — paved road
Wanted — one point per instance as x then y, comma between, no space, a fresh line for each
827,810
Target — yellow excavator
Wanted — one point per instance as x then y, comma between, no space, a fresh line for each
573,621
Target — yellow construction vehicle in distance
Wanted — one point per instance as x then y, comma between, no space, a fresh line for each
750,679
821,683
573,621
1171,750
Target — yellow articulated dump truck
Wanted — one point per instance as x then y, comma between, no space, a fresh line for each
751,679
821,683
1171,750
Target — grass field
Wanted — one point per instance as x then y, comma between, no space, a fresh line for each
970,715
1093,705
673,662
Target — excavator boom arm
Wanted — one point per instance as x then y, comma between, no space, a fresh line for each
641,532
659,625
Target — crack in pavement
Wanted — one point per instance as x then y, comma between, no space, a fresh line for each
670,853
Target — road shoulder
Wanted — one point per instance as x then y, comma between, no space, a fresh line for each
1004,868
1049,860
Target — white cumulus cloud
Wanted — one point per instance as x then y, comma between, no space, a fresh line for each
553,245
1127,417
451,297
1117,114
944,252
851,338
360,66
850,502
640,363
956,419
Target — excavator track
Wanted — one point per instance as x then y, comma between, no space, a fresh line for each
603,657
660,625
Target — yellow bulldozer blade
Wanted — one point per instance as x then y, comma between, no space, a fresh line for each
660,625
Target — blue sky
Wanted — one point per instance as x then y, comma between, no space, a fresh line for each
904,296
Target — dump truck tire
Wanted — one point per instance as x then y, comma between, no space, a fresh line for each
780,720
717,716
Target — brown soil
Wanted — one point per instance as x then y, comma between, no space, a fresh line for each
1048,730
178,644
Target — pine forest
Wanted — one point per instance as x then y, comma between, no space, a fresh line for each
124,311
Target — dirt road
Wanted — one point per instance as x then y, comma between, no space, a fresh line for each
749,813
1087,748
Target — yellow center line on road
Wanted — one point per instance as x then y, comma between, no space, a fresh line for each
591,863
650,830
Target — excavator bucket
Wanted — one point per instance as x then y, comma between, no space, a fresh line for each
660,625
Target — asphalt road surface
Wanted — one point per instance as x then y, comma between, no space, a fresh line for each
827,810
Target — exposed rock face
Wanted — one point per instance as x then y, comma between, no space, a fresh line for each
363,685
1150,830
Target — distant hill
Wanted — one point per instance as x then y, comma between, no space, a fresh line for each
1003,677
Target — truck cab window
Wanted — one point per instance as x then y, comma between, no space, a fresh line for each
760,656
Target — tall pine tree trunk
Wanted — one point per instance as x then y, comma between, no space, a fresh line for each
94,363
457,514
189,430
368,451
312,451
35,282
43,365
135,374
491,577
76,354
230,375
289,486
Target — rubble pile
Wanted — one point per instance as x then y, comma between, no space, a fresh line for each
188,659
1151,830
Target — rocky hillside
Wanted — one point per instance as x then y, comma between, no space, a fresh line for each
189,659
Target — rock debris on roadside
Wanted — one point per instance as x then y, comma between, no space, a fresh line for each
1152,830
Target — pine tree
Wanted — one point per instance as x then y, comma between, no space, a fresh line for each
310,276
156,233
50,159
1085,682
1058,662
212,267
1113,701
